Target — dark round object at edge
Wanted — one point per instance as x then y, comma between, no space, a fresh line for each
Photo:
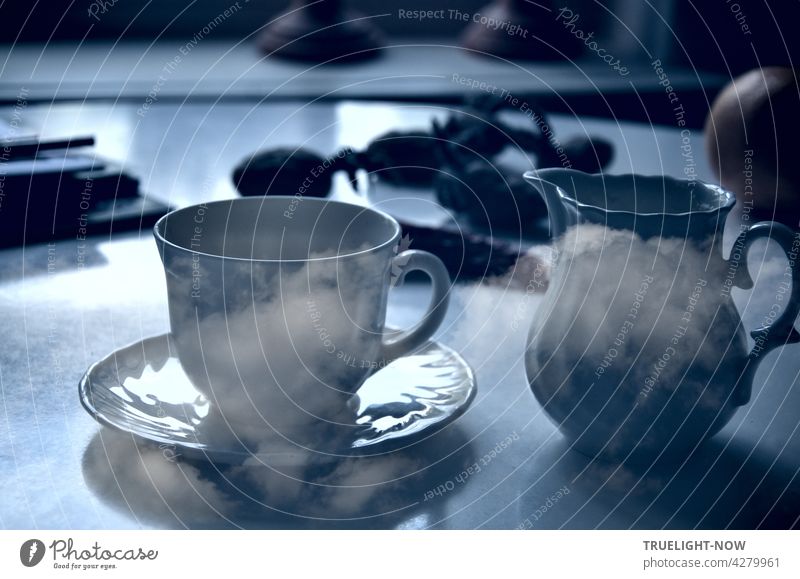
588,154
750,140
282,171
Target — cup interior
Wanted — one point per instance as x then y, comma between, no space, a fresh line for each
277,228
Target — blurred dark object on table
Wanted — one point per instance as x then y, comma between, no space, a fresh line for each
28,147
283,169
487,193
750,139
457,158
467,256
321,31
458,162
519,29
48,191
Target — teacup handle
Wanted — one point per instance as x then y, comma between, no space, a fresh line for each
403,263
781,331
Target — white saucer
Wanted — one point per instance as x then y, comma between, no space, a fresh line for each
142,390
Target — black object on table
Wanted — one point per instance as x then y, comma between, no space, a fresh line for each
48,192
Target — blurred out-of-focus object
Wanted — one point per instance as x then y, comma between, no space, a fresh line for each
750,135
321,31
448,185
58,188
457,158
518,29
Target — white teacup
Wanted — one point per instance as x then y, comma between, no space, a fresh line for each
277,308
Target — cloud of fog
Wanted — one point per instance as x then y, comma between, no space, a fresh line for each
302,340
299,339
146,480
156,485
318,486
282,358
641,331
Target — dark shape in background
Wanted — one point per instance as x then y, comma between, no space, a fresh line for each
710,36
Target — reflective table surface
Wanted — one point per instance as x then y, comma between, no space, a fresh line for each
500,465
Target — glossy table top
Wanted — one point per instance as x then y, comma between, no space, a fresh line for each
501,465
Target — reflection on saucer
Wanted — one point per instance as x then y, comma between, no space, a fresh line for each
385,491
142,390
412,394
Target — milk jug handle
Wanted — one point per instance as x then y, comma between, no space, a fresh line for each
779,331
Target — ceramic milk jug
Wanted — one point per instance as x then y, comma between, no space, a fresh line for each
637,350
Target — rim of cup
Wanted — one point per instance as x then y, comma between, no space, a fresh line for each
162,236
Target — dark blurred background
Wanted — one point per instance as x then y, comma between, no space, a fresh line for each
710,33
